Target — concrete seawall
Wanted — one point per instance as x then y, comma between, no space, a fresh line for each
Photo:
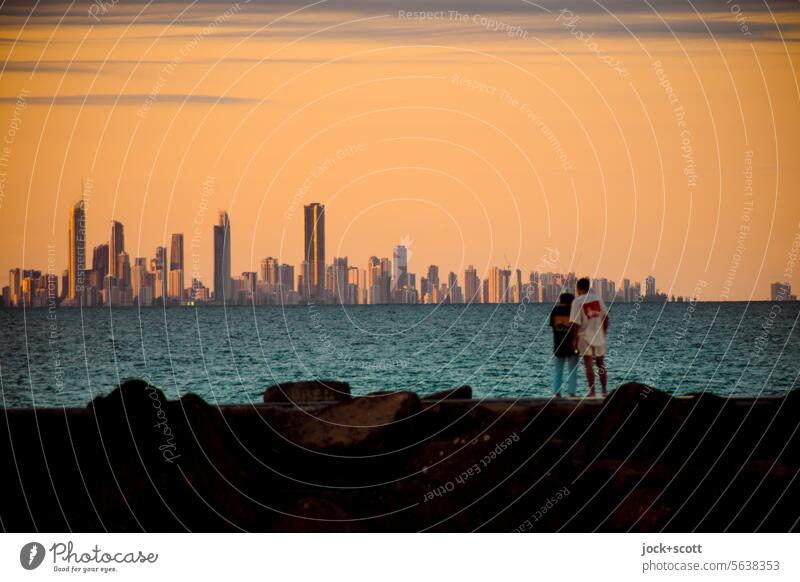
637,461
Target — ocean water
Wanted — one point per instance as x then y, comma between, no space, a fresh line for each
229,355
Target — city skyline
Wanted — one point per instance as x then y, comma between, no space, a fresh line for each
115,281
478,147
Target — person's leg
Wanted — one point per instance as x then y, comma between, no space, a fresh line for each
572,374
587,364
558,374
601,369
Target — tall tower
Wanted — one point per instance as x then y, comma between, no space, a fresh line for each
314,249
222,257
160,271
100,262
433,277
650,286
176,267
176,252
77,249
116,246
399,267
472,283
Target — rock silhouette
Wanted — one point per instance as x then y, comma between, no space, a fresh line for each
639,460
312,391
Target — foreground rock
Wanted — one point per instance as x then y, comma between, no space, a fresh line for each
312,391
638,461
363,421
460,393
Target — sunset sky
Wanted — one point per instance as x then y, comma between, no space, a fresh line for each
629,137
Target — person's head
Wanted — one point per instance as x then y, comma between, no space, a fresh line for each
582,286
566,298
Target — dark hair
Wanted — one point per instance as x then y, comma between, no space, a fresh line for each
583,284
566,298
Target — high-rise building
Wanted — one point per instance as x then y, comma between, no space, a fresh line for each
353,286
286,278
14,284
373,280
77,250
314,249
433,277
176,271
472,285
517,294
159,267
650,286
249,282
399,268
176,252
339,280
123,270
222,257
116,245
270,271
454,294
363,288
100,261
499,280
139,278
781,292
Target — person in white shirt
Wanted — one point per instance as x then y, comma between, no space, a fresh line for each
589,315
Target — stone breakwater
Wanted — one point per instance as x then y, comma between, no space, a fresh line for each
313,458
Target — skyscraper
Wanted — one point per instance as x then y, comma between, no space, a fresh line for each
222,257
499,280
160,270
472,285
270,269
138,276
116,246
286,277
780,292
433,277
77,250
100,261
176,267
123,270
373,280
399,268
176,252
650,286
314,249
339,287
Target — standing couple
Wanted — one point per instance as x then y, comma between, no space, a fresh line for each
580,325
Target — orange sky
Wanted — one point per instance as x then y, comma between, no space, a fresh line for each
477,145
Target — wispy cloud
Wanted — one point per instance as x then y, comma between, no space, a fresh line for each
129,99
610,17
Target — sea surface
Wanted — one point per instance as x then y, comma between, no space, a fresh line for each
66,357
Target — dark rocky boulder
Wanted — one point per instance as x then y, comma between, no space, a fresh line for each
167,463
354,424
311,391
459,393
640,460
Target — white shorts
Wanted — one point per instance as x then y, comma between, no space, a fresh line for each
586,349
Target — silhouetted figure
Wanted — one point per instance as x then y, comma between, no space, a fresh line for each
590,317
564,346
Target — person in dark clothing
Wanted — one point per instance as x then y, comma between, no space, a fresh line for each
563,346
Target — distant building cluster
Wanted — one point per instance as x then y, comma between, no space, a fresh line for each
781,292
115,279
